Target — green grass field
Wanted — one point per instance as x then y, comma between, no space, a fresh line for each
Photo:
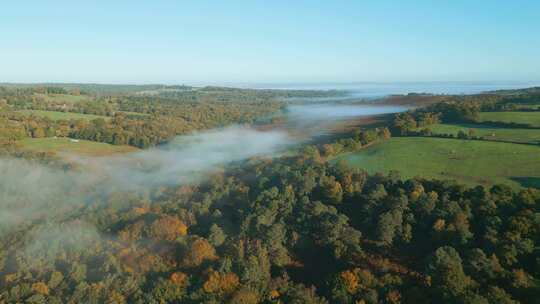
468,161
65,145
490,133
530,118
54,115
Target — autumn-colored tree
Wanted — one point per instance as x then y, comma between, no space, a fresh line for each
245,296
350,280
393,297
116,298
199,251
221,283
439,225
179,278
40,288
168,228
520,278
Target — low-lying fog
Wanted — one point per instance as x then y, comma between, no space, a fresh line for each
30,191
331,112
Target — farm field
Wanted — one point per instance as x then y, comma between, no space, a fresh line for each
531,118
55,115
490,133
66,145
468,161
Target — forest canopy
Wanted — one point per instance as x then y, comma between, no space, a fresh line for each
271,227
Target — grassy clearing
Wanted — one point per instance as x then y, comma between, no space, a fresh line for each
530,118
54,115
468,161
490,133
66,145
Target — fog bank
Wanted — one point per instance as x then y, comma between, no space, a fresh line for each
30,191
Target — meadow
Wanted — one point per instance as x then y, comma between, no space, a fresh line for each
468,161
66,145
530,118
55,115
490,133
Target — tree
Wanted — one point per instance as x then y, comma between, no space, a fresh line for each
332,190
168,228
40,288
216,236
222,284
199,251
446,270
389,225
245,296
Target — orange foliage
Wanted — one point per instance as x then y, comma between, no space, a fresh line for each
221,283
274,294
168,228
140,210
137,260
439,225
350,280
521,279
40,288
393,297
199,251
179,278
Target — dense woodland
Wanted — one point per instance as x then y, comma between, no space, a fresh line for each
140,120
294,229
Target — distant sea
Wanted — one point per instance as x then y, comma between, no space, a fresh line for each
373,89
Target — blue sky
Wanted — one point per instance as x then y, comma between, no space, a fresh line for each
269,41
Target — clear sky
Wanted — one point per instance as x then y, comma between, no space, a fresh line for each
269,41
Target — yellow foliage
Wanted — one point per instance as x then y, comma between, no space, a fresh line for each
415,195
124,252
10,277
417,192
116,298
40,288
182,229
